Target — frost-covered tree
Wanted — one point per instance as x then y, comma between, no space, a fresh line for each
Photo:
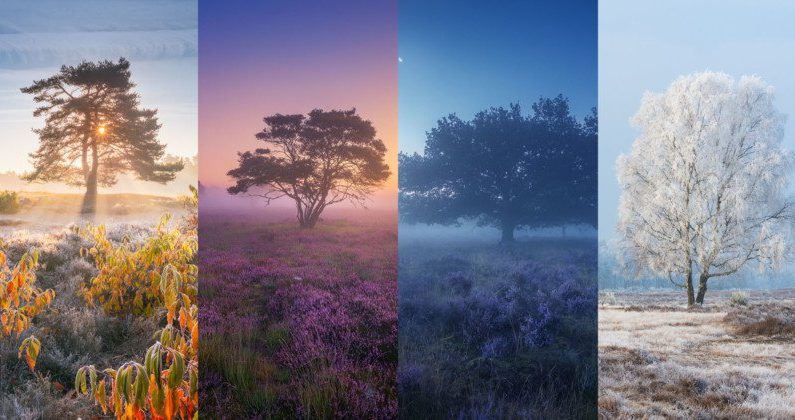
703,189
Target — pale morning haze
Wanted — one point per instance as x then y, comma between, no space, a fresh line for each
159,38
644,46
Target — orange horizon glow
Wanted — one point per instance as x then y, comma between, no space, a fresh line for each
238,86
231,129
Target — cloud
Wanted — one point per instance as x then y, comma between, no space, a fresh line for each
46,33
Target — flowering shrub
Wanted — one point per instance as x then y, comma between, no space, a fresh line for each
311,315
489,330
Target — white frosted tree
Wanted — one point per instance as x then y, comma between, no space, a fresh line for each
703,191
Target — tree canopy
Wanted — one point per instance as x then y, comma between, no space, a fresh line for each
504,169
316,160
703,189
95,129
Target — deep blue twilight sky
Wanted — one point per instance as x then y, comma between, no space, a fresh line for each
465,56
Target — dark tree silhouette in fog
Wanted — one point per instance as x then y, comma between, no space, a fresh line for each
317,160
95,129
504,170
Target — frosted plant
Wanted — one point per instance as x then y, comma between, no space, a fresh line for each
703,187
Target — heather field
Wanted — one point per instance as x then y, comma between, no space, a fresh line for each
297,322
489,331
732,358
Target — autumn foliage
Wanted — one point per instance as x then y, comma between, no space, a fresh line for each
155,278
166,383
20,301
130,277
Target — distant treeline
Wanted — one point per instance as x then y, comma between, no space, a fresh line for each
611,277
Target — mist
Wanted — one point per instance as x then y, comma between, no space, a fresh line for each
612,277
215,201
127,184
469,231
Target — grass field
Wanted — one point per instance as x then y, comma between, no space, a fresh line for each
729,359
42,212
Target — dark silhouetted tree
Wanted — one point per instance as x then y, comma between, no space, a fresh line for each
317,160
504,170
95,129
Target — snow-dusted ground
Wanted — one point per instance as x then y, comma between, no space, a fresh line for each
657,359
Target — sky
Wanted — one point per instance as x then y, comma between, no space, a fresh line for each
644,46
261,58
466,56
159,37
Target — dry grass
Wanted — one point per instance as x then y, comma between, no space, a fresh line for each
657,359
45,212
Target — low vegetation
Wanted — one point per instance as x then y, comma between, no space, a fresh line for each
726,360
10,202
297,323
76,343
494,332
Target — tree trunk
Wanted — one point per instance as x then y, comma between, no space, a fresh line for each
307,219
691,300
507,233
702,288
90,199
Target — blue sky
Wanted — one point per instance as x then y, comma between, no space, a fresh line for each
159,37
644,46
465,56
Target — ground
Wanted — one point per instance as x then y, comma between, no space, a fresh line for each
73,333
297,322
726,360
497,331
43,212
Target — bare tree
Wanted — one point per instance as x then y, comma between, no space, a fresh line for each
703,189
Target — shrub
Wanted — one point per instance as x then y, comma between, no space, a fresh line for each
20,301
129,276
608,298
166,384
10,202
739,298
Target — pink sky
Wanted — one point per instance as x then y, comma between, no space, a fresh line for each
240,85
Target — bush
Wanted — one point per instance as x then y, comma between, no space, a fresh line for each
130,275
166,384
739,298
10,202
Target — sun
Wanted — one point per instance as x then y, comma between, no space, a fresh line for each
101,130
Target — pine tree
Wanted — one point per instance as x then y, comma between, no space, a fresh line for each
95,129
